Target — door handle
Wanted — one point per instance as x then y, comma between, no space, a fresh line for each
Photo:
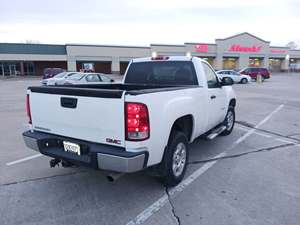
212,97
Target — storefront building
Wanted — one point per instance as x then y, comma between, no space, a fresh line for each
235,52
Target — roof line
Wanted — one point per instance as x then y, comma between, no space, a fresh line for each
279,47
167,45
14,43
108,46
197,43
236,35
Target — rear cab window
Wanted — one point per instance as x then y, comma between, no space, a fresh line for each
162,73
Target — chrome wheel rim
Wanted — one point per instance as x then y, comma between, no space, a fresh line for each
229,119
179,159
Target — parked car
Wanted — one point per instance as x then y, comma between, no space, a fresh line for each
148,120
51,72
254,71
235,76
87,78
57,79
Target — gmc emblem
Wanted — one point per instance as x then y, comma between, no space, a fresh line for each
113,141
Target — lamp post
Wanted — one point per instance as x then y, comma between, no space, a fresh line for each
287,58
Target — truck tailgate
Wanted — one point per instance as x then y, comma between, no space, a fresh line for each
97,118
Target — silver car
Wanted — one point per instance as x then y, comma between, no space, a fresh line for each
87,78
235,76
58,79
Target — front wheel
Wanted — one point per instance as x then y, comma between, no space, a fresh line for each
175,159
229,121
244,81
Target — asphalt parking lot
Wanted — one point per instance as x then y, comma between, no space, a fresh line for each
249,177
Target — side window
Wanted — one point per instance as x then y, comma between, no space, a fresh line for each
104,78
92,78
212,81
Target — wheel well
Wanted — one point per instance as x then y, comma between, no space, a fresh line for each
232,102
185,125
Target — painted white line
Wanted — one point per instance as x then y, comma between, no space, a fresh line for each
283,140
157,205
23,160
258,125
257,133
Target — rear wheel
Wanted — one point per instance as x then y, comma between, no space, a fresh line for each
244,81
175,159
229,121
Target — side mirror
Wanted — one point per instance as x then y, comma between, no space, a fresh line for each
226,81
112,80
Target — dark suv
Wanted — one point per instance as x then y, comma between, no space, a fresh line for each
51,72
253,71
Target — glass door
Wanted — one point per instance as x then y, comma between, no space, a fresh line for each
12,69
1,70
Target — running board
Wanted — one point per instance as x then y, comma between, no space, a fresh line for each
214,133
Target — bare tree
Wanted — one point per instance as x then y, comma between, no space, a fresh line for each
29,41
292,45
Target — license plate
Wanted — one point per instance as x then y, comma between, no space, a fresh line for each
71,147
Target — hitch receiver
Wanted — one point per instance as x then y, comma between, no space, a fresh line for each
54,162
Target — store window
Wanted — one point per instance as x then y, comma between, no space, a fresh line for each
1,69
28,68
275,64
256,62
210,60
9,68
230,63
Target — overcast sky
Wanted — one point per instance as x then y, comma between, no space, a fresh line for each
138,22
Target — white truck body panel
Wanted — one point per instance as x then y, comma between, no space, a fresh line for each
94,119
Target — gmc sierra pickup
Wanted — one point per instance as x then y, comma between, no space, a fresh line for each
148,120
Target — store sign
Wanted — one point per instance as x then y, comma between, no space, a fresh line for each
279,51
201,48
239,48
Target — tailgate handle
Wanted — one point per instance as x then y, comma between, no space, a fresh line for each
68,102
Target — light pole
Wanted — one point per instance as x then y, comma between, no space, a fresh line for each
287,58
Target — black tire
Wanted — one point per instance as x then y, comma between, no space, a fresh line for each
227,123
168,177
244,81
231,80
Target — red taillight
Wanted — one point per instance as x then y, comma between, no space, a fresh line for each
137,125
28,109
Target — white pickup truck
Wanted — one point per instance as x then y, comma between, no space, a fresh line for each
148,120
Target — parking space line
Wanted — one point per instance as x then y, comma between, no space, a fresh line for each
23,160
258,133
286,141
158,204
259,124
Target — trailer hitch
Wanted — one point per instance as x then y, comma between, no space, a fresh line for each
54,162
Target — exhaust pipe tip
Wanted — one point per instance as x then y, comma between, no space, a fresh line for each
113,177
110,178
